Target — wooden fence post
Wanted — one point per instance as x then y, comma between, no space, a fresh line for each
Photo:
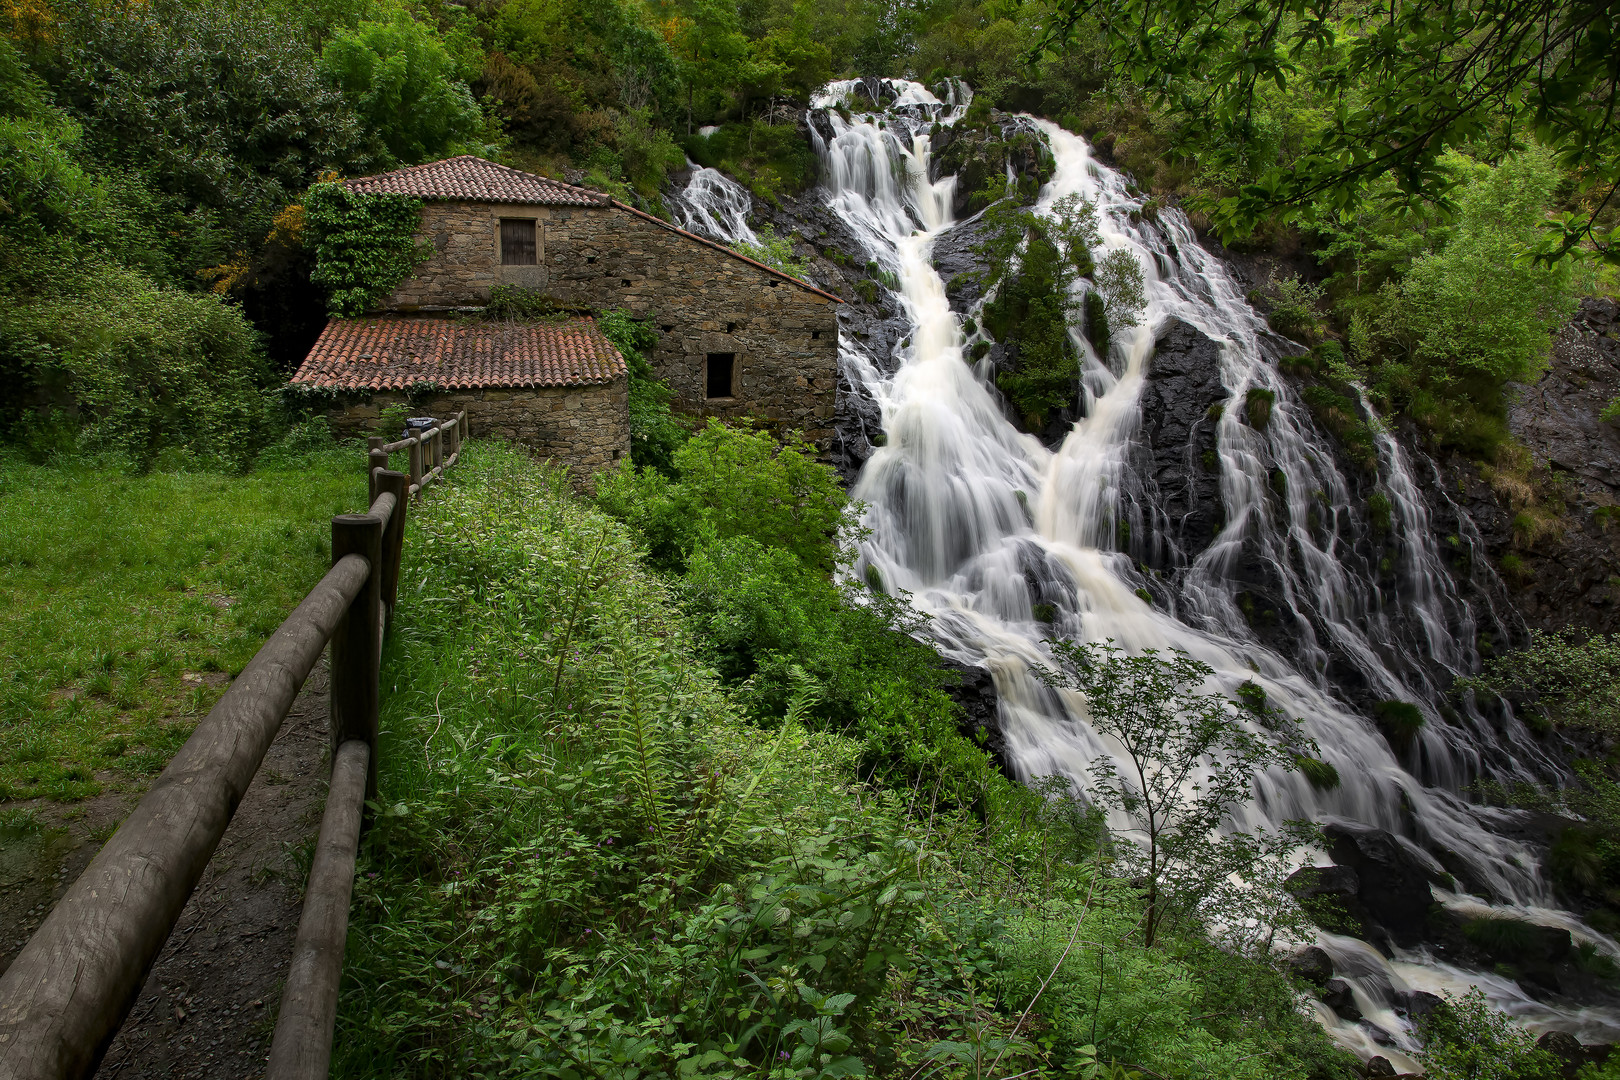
438,447
393,538
376,458
416,463
357,642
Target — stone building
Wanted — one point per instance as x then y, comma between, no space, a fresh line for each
560,386
736,338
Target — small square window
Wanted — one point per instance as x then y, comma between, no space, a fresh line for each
722,368
517,242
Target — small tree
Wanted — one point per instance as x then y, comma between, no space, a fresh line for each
1467,1039
1189,759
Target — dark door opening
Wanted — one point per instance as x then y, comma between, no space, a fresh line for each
722,366
517,242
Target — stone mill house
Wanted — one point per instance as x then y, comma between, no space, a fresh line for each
735,337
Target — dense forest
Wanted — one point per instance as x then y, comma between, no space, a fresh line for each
730,823
156,265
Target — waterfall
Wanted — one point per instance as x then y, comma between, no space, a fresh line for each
969,515
713,205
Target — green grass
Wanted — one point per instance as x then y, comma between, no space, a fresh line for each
127,603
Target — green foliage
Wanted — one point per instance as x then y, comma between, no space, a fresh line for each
1400,721
1257,404
1380,512
150,369
1294,312
1170,732
1466,1039
364,244
408,85
1478,304
1570,677
771,160
1033,262
206,119
1395,89
732,482
776,252
655,434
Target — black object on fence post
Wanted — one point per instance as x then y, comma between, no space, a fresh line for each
357,641
393,537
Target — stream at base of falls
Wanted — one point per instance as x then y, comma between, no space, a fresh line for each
980,522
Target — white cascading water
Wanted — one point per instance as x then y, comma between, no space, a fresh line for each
964,509
713,205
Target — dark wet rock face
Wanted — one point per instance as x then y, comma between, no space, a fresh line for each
980,153
1175,453
1336,995
1392,883
1312,965
1572,578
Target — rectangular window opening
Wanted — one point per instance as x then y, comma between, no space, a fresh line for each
722,367
517,242
815,335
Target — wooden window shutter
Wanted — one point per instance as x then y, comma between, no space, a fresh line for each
517,241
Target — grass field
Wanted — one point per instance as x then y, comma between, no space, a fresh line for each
128,602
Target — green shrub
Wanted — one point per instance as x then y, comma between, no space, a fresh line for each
150,369
409,85
777,252
1322,775
772,161
1467,1039
1257,406
1380,512
1294,308
1399,720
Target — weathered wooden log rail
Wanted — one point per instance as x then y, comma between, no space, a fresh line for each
68,991
428,460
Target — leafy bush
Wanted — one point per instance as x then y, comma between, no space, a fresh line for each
777,252
1399,720
364,244
1479,304
772,161
149,369
1466,1039
409,85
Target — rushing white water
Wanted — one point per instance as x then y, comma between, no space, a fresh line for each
980,522
713,205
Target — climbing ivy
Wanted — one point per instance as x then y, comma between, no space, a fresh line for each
364,244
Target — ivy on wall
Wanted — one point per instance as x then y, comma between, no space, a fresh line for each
364,244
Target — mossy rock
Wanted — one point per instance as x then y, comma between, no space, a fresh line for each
1257,406
1322,775
1400,721
1044,613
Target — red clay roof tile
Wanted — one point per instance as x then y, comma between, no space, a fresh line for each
473,179
392,352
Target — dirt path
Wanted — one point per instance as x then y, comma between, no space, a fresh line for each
207,1005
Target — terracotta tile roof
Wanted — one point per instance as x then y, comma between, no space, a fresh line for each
475,180
394,353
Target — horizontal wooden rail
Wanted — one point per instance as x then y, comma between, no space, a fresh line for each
433,451
302,1046
65,995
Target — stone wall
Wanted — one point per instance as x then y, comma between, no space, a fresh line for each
701,298
586,428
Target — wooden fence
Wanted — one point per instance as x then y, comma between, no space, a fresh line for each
67,993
